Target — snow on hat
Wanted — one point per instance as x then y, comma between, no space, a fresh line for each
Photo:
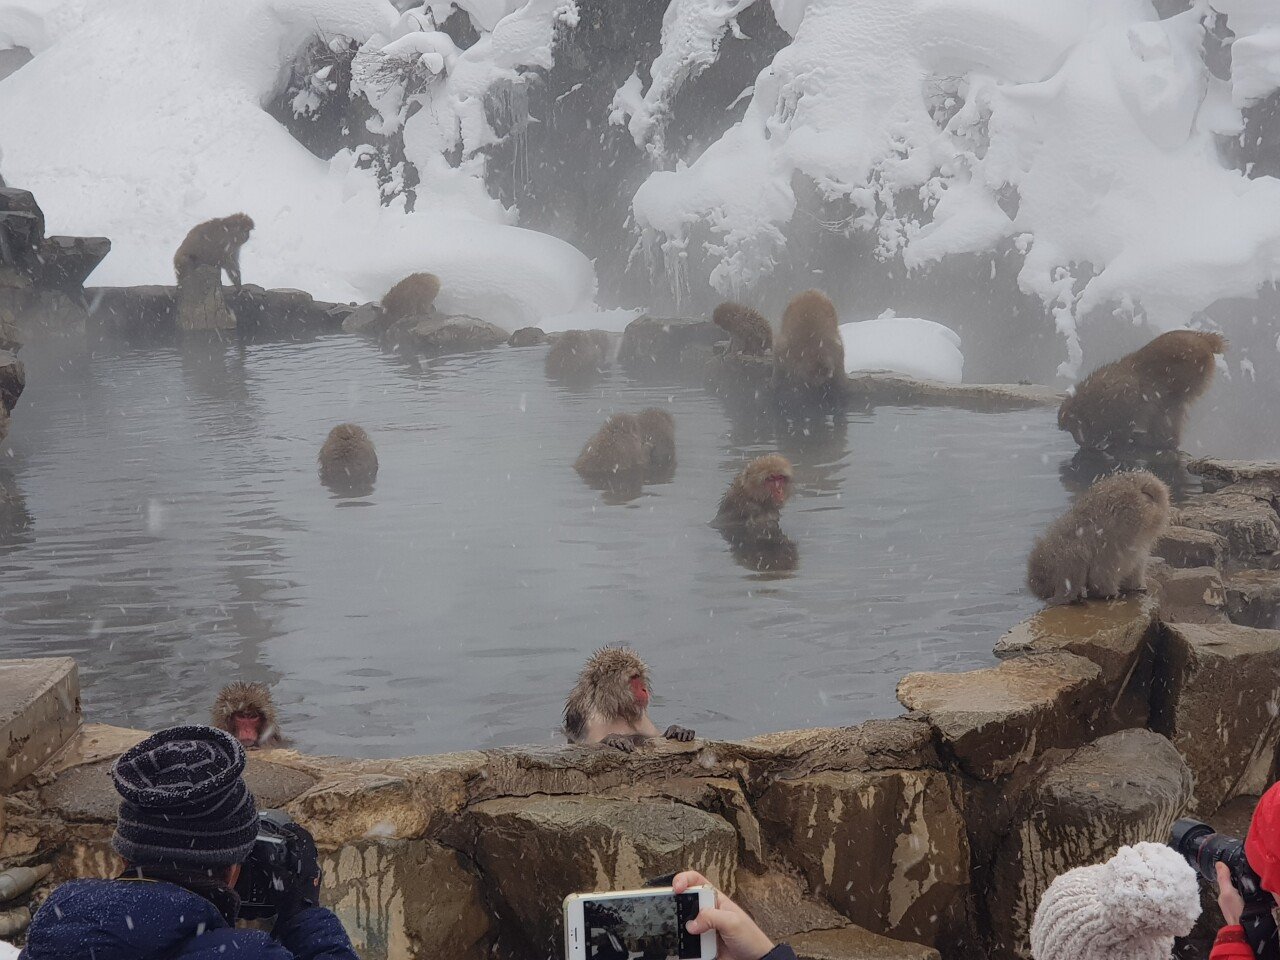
184,800
1129,908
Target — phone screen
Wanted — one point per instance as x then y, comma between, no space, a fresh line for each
645,927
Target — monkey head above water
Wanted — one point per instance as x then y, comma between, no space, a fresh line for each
749,333
348,460
245,711
630,443
414,296
1099,548
610,703
1141,401
750,508
579,355
214,243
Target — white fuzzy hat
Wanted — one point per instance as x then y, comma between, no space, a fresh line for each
1129,908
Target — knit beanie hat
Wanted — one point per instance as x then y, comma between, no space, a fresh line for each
1129,908
184,801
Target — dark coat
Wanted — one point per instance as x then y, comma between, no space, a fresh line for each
147,920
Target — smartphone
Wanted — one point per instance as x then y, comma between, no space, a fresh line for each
637,925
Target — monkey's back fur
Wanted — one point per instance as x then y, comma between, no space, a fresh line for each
749,332
348,457
243,697
1099,547
747,507
1141,400
578,354
215,242
414,296
603,691
809,351
629,443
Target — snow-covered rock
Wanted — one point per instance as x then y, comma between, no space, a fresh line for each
911,346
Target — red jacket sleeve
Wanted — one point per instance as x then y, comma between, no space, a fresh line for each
1231,945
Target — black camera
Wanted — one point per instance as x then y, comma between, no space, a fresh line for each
272,867
1204,849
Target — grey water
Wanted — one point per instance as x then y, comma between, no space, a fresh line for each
173,536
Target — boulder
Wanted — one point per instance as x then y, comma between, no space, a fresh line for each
407,898
1189,595
1214,695
142,311
281,312
1253,598
368,319
13,200
39,711
19,241
200,303
995,719
66,262
1117,635
535,851
855,943
13,303
736,375
1123,788
888,849
1236,471
13,379
778,902
1248,524
454,334
657,343
1189,547
527,337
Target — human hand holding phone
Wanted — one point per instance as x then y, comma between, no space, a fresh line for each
737,935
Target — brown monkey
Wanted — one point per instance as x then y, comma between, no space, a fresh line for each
809,352
215,243
749,333
749,509
1142,399
1099,547
579,354
630,443
610,703
347,458
245,711
414,296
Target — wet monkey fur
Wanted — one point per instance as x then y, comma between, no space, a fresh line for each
610,703
214,243
246,711
1099,548
750,508
414,296
1142,400
809,353
749,333
578,354
630,443
348,458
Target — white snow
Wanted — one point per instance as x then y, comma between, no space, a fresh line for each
8,951
146,118
1085,130
614,321
912,346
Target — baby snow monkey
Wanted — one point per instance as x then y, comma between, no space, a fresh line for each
610,703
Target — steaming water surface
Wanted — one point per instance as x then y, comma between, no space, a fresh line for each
178,538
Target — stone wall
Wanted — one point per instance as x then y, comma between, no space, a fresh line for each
932,832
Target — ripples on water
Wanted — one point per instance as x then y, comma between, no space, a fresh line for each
179,538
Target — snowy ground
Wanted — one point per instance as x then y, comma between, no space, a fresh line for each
907,345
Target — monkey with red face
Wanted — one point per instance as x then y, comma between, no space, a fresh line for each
245,711
610,703
750,507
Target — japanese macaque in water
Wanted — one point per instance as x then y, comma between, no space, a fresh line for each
630,444
750,507
414,296
1141,401
347,459
246,712
579,355
214,243
749,333
1099,548
610,703
809,354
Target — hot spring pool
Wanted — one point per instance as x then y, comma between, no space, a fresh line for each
176,537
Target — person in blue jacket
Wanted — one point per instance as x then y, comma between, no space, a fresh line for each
186,825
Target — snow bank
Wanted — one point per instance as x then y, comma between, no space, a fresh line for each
147,117
1084,129
908,345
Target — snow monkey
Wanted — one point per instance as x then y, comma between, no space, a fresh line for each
749,509
214,243
630,443
1141,400
749,332
414,296
1099,547
246,712
579,354
809,352
610,703
347,458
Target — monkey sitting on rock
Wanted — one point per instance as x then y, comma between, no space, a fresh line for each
246,711
1141,401
579,355
630,444
348,461
214,243
749,333
414,296
610,703
1098,549
808,356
